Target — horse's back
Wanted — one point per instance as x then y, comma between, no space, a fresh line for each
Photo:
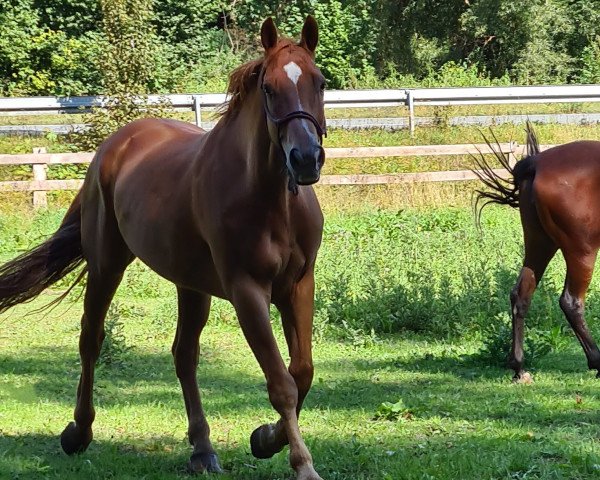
141,141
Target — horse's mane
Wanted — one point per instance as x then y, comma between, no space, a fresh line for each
244,78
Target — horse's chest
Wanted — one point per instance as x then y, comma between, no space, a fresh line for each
274,254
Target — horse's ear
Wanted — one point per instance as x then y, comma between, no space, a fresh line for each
268,34
310,34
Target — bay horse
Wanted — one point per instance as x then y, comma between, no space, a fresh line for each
229,213
557,192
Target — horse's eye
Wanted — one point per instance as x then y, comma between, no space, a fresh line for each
322,86
268,90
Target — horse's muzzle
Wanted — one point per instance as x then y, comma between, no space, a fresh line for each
306,165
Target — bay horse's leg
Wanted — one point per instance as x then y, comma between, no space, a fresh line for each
297,320
193,314
251,303
580,268
99,292
539,250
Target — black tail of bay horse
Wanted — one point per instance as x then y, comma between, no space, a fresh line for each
557,192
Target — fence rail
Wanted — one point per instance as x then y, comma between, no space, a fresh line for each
40,160
410,98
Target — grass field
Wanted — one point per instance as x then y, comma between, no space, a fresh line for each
413,313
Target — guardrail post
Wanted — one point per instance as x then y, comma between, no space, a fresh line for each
40,198
411,111
198,110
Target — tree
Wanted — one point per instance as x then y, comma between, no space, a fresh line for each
127,65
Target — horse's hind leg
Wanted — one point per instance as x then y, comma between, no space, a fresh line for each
193,314
579,274
99,292
539,250
107,257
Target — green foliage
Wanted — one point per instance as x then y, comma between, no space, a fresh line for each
41,61
468,420
539,342
54,48
114,347
590,69
393,411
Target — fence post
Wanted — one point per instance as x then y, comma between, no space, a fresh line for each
198,110
411,111
39,174
512,158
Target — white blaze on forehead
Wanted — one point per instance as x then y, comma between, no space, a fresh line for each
293,72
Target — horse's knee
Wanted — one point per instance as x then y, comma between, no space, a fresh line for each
184,369
283,393
303,375
186,362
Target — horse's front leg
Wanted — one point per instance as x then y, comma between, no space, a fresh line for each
251,302
297,318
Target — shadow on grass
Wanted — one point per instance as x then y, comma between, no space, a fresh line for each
52,375
434,453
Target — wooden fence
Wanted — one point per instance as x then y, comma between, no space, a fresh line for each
40,160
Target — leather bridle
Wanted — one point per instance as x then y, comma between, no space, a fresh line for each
321,130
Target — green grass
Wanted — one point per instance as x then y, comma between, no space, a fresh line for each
401,317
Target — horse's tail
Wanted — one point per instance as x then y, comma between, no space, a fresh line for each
25,277
501,190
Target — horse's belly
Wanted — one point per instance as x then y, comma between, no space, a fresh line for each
194,270
174,252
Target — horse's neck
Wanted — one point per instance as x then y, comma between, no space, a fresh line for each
265,163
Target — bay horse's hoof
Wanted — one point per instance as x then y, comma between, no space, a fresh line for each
204,463
263,442
74,440
524,378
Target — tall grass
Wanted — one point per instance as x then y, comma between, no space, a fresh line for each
383,271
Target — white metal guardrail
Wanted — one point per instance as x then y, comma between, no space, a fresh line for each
410,98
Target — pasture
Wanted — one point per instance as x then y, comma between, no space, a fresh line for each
411,328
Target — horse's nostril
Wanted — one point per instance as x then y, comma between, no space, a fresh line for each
296,159
319,156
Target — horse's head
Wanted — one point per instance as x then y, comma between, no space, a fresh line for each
292,88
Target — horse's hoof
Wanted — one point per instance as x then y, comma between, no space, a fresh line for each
524,378
263,443
204,463
74,440
307,473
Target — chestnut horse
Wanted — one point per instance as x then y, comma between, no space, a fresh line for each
558,195
223,213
